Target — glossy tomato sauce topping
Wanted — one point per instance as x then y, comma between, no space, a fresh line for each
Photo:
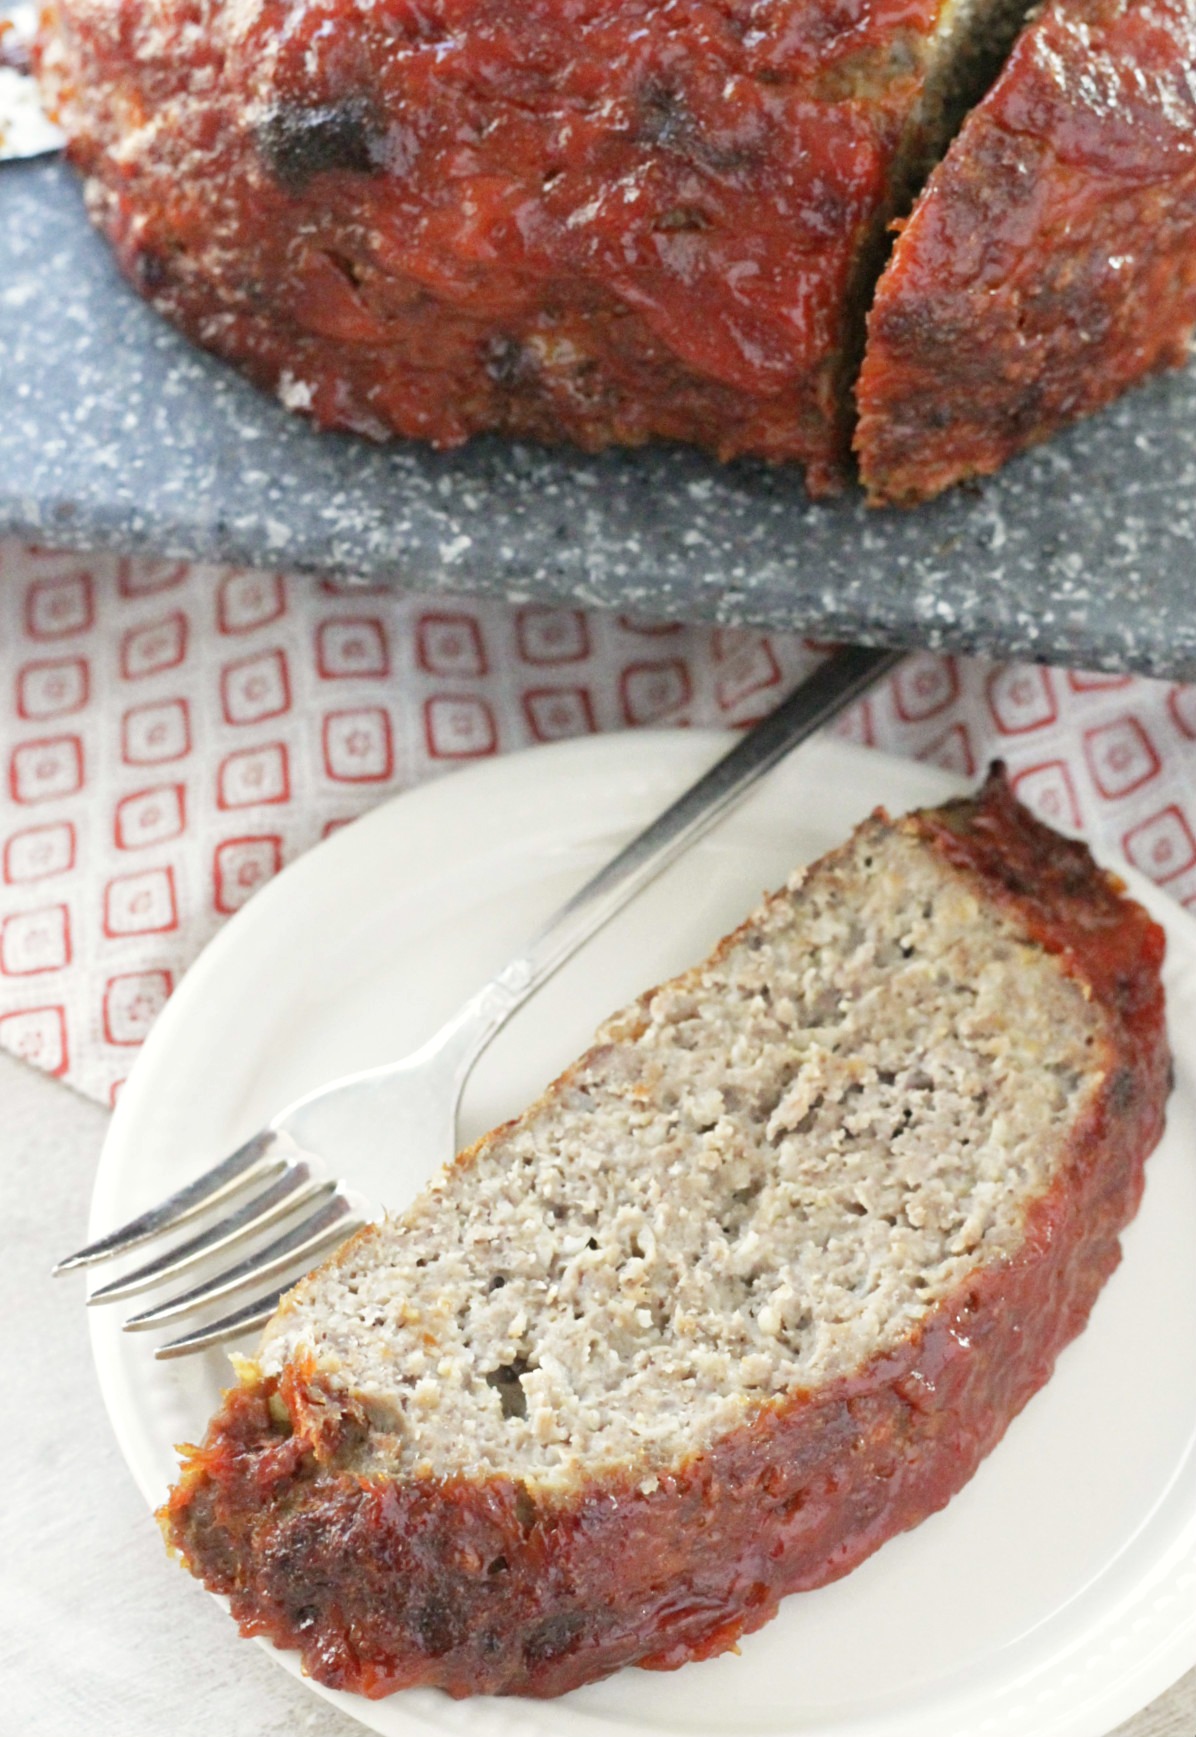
604,219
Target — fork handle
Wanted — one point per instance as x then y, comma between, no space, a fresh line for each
842,678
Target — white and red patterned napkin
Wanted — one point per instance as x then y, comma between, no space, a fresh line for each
172,734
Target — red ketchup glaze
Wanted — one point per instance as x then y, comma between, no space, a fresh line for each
478,1587
1051,260
611,220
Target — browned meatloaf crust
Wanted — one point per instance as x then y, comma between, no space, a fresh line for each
606,221
498,1584
1051,260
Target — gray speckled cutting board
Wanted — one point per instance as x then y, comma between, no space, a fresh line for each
114,432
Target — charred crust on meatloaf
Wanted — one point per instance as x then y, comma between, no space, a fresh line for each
667,123
298,142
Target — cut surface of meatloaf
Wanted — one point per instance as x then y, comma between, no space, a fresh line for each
606,221
1050,261
752,1287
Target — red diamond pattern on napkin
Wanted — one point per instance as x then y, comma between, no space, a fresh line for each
173,733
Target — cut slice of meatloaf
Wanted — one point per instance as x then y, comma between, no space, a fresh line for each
606,221
1051,260
752,1287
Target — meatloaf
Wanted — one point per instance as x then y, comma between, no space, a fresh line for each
752,1287
605,221
1050,261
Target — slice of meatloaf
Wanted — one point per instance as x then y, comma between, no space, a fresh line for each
605,221
1051,260
752,1287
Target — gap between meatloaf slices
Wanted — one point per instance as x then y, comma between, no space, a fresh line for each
606,221
753,1287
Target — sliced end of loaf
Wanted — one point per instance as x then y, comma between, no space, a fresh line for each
1050,260
960,59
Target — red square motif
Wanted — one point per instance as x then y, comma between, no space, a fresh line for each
650,691
1121,757
38,1036
553,713
450,645
140,904
52,689
749,668
35,941
132,1002
153,734
249,600
255,688
1049,791
39,852
358,748
1021,699
351,646
552,635
952,751
150,816
138,576
459,727
241,866
923,686
353,588
254,776
56,608
1163,846
1083,681
1181,702
857,723
649,629
156,646
40,771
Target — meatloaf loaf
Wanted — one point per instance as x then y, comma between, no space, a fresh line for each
752,1287
598,220
1051,260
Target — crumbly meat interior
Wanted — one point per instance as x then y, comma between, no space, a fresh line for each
765,1173
959,61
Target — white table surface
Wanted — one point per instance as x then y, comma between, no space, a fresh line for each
100,1634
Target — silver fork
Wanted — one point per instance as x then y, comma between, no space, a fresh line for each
420,1093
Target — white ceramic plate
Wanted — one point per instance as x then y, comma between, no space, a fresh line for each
1053,1598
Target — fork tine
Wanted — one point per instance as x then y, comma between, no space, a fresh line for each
249,1315
293,1189
250,1161
332,1220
